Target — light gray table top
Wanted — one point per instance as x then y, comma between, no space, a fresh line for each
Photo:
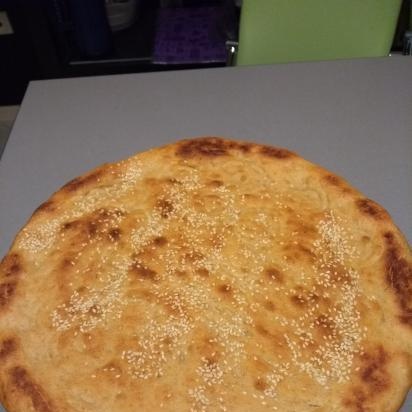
352,117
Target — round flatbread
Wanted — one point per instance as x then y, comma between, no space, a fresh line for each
207,275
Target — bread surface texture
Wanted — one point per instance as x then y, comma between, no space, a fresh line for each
207,275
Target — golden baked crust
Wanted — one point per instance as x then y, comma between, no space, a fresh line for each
207,275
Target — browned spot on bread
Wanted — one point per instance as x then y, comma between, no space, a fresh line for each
146,294
65,339
174,306
298,253
66,263
298,300
7,290
279,344
325,327
212,359
70,225
92,342
269,305
262,330
114,234
339,274
370,208
167,341
100,224
160,241
172,181
180,273
204,273
260,365
373,380
8,346
193,256
303,228
333,180
399,277
305,251
215,183
356,402
337,182
225,289
250,196
144,272
205,147
165,207
210,147
95,310
23,382
274,275
303,298
208,347
11,265
91,228
80,182
260,384
322,321
81,290
146,254
244,147
308,230
374,372
95,223
112,368
276,152
47,206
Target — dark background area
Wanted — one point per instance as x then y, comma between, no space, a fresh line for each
44,44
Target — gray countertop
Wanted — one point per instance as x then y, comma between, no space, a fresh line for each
352,117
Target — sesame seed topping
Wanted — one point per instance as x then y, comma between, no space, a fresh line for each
225,277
